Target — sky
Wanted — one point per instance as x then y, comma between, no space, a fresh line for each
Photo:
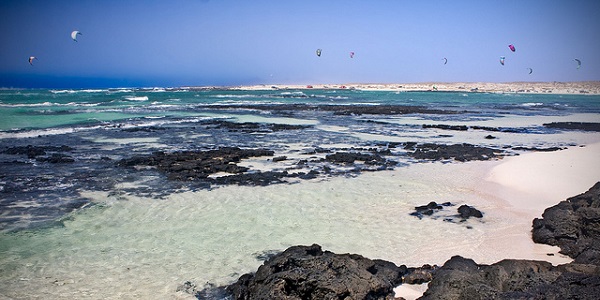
126,43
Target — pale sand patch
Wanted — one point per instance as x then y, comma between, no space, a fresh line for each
534,181
519,189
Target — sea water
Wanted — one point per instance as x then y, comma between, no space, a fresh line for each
93,230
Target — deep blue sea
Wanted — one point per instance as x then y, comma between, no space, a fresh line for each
78,223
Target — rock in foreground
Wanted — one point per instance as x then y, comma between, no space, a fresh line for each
461,278
574,226
308,272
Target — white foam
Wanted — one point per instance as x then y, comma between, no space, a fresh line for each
137,98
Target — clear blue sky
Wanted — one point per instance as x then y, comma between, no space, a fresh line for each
231,42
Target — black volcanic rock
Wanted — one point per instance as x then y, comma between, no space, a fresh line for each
461,278
574,126
190,165
447,127
429,209
34,151
574,226
458,152
466,211
308,272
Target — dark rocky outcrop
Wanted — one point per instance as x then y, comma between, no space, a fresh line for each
429,209
466,211
35,151
351,157
458,152
447,127
549,149
574,126
574,226
461,278
191,165
308,272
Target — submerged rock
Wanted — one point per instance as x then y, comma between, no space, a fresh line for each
191,165
458,152
574,126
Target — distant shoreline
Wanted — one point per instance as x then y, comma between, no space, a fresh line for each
554,87
583,87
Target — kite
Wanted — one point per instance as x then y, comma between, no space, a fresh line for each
445,60
74,34
502,60
578,63
31,58
318,52
512,47
530,70
352,54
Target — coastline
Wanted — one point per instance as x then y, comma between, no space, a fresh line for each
583,87
519,189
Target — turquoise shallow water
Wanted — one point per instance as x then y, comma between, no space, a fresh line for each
91,229
29,109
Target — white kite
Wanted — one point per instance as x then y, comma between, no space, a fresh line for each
74,34
31,58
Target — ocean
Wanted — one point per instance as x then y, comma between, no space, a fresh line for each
92,207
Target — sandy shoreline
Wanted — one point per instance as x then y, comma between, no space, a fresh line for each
583,87
519,189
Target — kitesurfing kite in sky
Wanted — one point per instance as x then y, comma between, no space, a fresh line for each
578,63
512,47
530,70
502,60
445,60
31,58
74,34
318,52
352,54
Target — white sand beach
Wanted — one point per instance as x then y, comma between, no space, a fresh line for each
582,87
519,189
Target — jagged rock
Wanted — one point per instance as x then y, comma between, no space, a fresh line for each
458,152
466,211
574,226
191,165
460,278
351,157
419,275
308,272
429,209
